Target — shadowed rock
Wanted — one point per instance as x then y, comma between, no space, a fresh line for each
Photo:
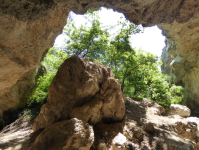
67,135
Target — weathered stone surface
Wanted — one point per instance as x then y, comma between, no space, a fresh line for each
18,91
23,45
28,29
176,109
17,95
148,12
141,129
180,57
66,135
119,142
101,145
107,106
83,90
189,129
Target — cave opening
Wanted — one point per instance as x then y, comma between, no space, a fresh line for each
151,39
84,36
148,39
30,29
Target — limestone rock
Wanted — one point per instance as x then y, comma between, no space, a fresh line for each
142,129
106,106
83,90
23,44
170,131
119,142
18,94
180,57
66,135
28,29
176,109
149,127
89,112
150,103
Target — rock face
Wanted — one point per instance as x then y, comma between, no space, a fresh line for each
119,142
17,95
180,57
29,28
23,44
83,90
18,91
66,135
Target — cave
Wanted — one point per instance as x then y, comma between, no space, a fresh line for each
29,28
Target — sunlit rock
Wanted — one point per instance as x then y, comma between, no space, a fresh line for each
176,109
180,57
119,142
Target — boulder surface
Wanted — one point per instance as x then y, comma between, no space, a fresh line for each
65,135
83,90
176,109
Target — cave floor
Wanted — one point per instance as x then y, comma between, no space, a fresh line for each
18,135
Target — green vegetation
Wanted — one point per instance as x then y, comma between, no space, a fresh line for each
137,70
52,61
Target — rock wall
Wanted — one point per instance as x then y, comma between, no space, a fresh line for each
22,45
29,28
181,59
15,96
18,94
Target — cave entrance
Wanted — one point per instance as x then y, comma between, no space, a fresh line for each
109,38
150,40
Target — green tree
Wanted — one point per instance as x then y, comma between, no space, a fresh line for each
91,42
137,70
52,61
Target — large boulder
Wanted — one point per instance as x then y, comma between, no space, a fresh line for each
106,106
83,90
66,135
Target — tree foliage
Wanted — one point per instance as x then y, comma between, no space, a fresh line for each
137,70
52,61
86,41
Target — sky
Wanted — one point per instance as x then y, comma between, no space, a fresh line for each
151,40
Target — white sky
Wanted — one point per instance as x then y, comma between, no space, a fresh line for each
151,40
